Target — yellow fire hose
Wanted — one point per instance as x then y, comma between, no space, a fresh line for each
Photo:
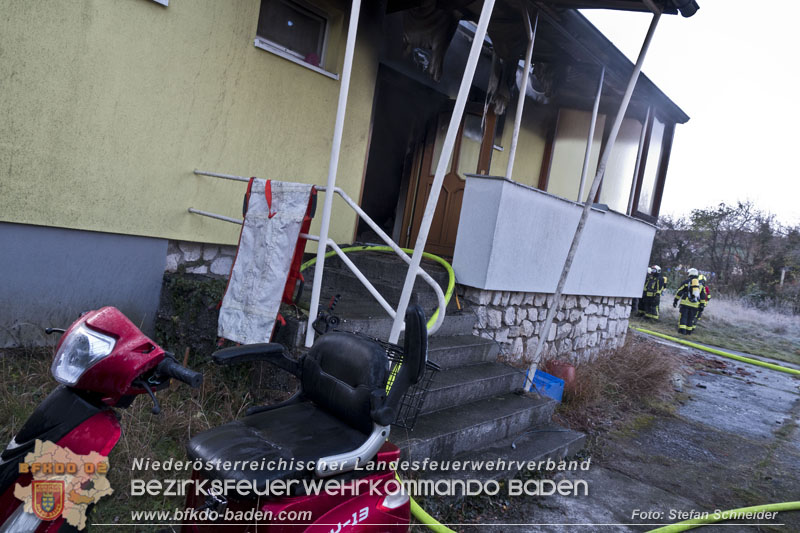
451,281
748,360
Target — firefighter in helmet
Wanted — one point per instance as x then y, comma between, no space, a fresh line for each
703,303
652,292
689,294
660,285
645,301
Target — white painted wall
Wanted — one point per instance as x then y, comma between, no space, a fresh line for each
512,237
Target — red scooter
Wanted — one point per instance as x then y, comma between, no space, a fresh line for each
103,361
326,446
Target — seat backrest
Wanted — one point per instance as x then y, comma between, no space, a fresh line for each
346,374
342,373
415,356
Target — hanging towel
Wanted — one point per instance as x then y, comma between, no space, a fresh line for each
274,214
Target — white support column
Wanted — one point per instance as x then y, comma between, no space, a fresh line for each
638,164
590,137
333,166
512,152
598,178
441,167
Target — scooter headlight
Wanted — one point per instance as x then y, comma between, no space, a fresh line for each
79,351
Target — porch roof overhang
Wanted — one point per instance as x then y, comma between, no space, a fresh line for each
590,49
566,38
687,8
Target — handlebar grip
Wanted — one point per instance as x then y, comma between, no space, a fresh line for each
171,368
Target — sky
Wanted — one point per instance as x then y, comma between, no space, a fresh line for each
733,68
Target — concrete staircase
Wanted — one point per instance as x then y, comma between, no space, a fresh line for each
475,403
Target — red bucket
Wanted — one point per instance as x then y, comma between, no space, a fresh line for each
563,370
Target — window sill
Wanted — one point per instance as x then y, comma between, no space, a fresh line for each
269,47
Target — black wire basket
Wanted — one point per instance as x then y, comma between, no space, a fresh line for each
414,399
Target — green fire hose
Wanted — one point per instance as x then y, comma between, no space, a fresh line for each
451,281
715,351
725,515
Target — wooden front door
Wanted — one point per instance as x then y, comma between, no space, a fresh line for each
471,155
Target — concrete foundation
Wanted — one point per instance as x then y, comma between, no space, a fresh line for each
51,275
212,260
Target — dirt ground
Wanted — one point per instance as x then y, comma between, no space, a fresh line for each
732,441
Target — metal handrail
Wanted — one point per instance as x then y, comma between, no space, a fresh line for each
335,247
399,251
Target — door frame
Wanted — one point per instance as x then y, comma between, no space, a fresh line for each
422,161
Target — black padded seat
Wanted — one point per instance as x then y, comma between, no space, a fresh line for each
341,406
291,432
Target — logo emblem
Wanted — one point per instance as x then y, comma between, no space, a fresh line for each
48,499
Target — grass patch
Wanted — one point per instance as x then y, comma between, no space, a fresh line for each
730,323
636,379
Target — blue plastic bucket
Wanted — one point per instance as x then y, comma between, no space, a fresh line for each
547,385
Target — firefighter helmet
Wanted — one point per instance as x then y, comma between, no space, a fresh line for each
693,272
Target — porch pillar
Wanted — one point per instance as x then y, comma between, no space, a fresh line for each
590,137
333,166
512,152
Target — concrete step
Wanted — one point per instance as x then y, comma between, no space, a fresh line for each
368,320
448,432
461,350
386,268
546,441
344,283
467,384
379,324
543,442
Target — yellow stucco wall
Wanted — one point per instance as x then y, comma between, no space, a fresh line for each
530,145
569,150
106,107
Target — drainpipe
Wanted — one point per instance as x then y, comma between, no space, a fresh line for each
512,152
441,168
598,178
333,166
638,164
590,138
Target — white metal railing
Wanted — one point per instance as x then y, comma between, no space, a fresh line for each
335,247
414,261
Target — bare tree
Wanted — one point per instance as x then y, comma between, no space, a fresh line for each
747,250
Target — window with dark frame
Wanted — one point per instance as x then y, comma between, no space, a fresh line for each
650,181
295,28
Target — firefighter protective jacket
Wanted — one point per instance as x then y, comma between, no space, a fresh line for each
654,285
651,286
691,292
